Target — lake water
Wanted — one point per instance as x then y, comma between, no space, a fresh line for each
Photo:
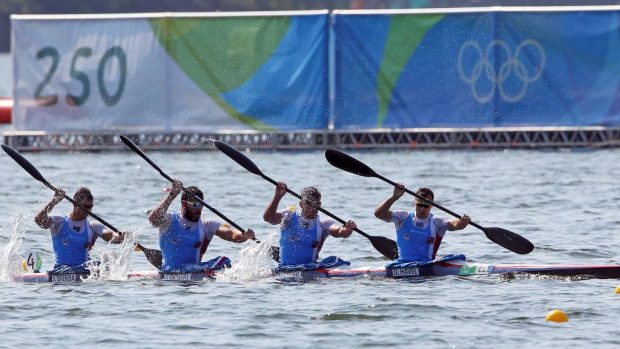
565,202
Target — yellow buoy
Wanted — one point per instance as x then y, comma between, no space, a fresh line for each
557,315
618,290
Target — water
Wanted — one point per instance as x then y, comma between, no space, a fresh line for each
566,202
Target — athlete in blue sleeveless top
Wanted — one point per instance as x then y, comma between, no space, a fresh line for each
74,235
419,233
302,232
184,237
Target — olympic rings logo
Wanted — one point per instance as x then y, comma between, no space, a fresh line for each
512,71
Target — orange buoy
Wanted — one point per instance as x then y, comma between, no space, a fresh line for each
557,315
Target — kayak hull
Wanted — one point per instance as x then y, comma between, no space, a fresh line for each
466,269
456,268
77,278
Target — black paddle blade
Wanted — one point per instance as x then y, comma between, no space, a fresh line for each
350,164
130,144
25,164
152,255
275,253
238,157
385,246
509,240
137,149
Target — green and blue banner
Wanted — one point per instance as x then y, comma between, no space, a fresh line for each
167,73
477,69
273,71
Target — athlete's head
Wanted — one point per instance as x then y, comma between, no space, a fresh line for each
190,207
84,198
310,202
422,207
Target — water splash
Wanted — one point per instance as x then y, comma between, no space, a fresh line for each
255,262
113,262
10,260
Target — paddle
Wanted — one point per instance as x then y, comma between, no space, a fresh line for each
26,165
275,253
502,237
154,256
385,246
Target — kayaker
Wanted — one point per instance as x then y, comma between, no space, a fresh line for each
73,235
184,236
302,231
418,233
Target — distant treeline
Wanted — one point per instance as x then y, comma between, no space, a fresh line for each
8,7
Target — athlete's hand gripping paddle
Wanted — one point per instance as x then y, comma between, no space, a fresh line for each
385,246
26,165
274,250
507,239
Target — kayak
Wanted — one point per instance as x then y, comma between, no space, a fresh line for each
158,275
442,268
462,268
55,278
69,278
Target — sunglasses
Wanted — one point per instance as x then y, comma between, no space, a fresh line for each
312,204
422,205
193,204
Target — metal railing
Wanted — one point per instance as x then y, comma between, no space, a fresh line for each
419,138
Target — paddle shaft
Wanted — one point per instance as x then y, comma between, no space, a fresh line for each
502,237
214,210
319,208
428,201
110,226
139,151
28,167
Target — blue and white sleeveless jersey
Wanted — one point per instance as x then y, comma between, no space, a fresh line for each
72,239
301,238
418,239
184,242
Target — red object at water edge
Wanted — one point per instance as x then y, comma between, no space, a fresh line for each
6,106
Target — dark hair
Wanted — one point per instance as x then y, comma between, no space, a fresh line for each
426,192
190,192
82,194
310,194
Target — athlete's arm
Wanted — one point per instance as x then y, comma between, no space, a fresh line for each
342,231
157,218
227,233
459,223
42,218
271,215
110,236
383,210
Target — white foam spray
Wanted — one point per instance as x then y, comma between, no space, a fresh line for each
112,262
10,260
255,261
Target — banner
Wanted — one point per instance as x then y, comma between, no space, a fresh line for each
170,73
406,70
270,71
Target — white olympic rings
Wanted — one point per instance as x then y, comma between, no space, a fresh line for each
497,79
